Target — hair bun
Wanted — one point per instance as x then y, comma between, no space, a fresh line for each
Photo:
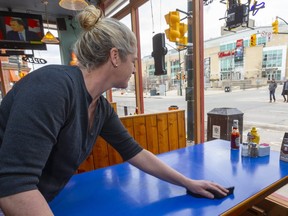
89,17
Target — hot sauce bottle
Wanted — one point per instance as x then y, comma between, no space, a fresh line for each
235,135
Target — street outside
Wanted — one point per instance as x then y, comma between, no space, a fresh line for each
270,119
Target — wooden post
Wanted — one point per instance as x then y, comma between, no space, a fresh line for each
198,59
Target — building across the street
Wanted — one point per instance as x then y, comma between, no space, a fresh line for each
230,60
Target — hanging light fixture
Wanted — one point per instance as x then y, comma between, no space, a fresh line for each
73,4
48,38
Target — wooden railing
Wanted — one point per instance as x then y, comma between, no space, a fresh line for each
158,133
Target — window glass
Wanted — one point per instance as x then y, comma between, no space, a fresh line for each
51,55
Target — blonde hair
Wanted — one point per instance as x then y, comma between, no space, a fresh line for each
99,36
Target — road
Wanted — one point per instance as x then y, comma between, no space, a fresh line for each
271,119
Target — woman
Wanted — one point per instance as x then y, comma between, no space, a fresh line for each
51,118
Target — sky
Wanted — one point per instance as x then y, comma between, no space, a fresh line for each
152,21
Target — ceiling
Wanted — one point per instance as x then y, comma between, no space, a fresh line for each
53,9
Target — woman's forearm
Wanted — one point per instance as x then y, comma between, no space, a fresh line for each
150,164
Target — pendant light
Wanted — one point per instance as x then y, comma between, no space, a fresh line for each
73,4
48,38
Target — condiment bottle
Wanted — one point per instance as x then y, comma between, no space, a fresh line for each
255,138
244,150
249,138
235,135
254,150
136,111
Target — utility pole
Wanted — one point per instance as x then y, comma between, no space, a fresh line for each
190,77
180,71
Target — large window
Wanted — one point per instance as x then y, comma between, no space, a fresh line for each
226,47
226,64
261,40
246,43
272,60
151,70
51,55
175,67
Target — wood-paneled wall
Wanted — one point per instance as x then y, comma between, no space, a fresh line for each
158,133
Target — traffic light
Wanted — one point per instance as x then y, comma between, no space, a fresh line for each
183,40
183,77
173,20
253,39
159,52
236,15
275,26
176,32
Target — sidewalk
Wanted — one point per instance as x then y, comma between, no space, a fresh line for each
176,93
171,93
270,133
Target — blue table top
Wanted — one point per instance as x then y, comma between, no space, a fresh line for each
124,190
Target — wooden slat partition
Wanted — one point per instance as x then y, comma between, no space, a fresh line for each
158,133
5,81
8,70
163,140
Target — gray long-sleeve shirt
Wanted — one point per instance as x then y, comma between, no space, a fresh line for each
44,133
272,86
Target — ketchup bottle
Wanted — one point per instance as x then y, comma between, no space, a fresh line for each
235,135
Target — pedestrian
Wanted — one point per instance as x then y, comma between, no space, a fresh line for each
272,88
50,119
285,91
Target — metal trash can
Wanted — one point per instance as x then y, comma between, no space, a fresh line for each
173,107
153,92
219,123
227,89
